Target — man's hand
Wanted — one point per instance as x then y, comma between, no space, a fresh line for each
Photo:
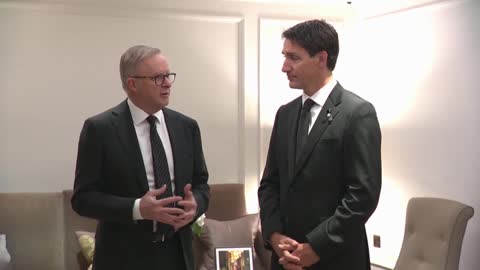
189,205
306,254
158,210
290,262
283,247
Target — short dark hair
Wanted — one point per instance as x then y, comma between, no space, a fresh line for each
315,36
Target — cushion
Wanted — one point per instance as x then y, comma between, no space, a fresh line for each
239,232
4,255
264,255
86,240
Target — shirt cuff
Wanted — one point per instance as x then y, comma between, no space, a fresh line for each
136,210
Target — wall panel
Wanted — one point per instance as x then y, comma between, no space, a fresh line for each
60,66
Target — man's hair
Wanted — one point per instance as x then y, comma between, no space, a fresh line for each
131,58
315,36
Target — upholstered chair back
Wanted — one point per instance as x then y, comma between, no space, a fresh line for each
227,201
434,231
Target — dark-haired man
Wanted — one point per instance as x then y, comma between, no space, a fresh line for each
322,178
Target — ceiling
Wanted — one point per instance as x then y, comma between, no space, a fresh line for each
362,7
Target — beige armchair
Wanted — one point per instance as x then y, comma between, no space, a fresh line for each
434,231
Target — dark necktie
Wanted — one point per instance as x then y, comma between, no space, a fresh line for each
303,124
160,172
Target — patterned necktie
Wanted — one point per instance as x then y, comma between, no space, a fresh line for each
161,174
160,164
303,125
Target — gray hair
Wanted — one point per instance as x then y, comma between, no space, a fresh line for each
131,58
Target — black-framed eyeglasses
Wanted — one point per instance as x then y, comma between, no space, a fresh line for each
159,78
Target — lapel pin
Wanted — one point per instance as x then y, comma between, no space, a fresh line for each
329,116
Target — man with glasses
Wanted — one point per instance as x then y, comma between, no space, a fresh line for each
141,172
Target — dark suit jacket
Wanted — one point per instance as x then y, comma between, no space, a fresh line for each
327,196
110,175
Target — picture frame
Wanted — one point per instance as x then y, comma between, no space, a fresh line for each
233,258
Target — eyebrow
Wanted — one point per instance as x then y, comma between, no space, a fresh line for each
164,73
289,54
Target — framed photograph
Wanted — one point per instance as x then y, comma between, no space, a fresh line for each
239,258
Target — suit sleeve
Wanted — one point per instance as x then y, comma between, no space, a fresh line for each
362,178
200,188
269,191
88,199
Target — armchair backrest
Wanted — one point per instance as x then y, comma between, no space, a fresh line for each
227,201
434,231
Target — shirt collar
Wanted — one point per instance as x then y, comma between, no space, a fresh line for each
322,94
138,115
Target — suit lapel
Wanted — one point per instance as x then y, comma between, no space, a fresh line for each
175,134
123,123
320,125
292,135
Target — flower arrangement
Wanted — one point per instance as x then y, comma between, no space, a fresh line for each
198,224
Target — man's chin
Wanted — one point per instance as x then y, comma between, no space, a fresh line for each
164,102
161,105
294,85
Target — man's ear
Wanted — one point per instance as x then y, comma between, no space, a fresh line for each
322,57
131,84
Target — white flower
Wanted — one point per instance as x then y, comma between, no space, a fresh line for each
198,224
200,220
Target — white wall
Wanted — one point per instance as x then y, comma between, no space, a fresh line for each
59,68
420,68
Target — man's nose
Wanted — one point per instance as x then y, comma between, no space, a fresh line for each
166,83
286,67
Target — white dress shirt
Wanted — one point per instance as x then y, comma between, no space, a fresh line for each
142,128
319,97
